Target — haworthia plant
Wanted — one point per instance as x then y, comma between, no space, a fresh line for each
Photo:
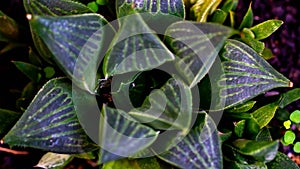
50,122
199,149
77,43
51,8
243,67
156,7
118,129
135,50
169,107
197,46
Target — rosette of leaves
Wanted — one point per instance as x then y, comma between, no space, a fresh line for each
68,34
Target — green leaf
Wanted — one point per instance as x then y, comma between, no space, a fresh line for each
122,136
197,46
49,72
229,5
246,75
31,71
54,161
7,120
77,43
267,54
144,163
289,97
296,147
252,128
201,9
101,2
265,114
263,151
248,19
50,122
282,161
199,149
135,48
9,28
239,128
264,135
155,8
93,6
265,29
289,137
295,116
219,16
51,8
256,45
169,107
242,108
236,165
287,124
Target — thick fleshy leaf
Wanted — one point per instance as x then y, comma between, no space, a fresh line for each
256,45
54,161
122,136
162,7
31,71
265,114
169,107
295,116
263,151
50,122
242,108
51,8
219,16
289,97
282,161
55,7
236,165
144,163
9,27
135,48
265,29
248,19
264,135
7,120
199,149
197,46
201,9
246,74
77,43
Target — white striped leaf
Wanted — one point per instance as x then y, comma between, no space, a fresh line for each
201,148
202,8
50,122
135,48
76,43
155,7
247,74
51,8
170,107
122,136
197,46
54,161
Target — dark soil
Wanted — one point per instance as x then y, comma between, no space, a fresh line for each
284,44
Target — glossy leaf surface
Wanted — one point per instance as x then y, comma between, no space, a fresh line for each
243,68
76,43
265,114
50,122
54,161
199,149
282,161
197,46
118,129
201,9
